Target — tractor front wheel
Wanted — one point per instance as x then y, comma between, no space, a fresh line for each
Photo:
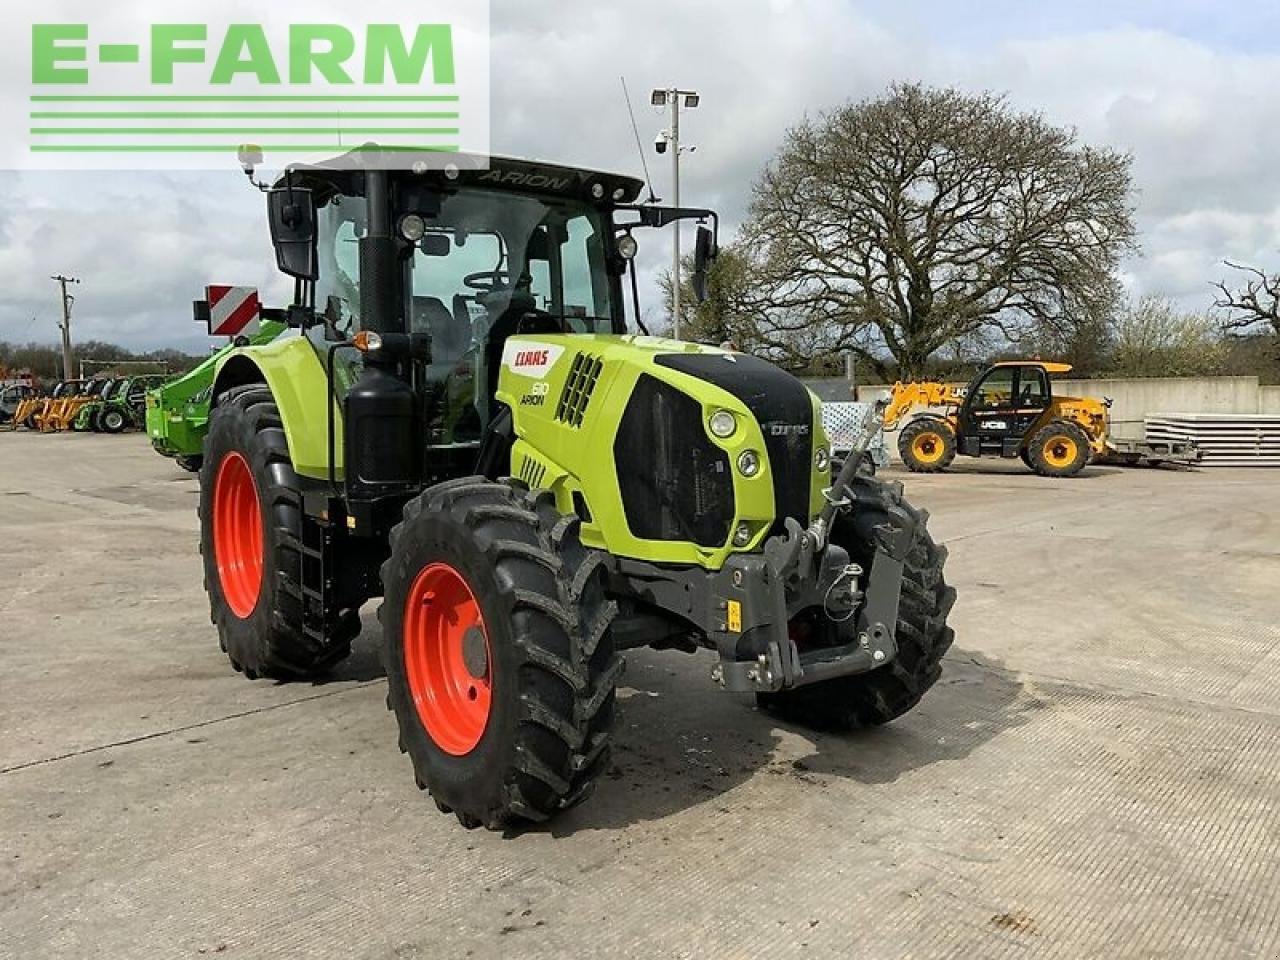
251,539
927,445
1060,449
922,634
110,420
499,655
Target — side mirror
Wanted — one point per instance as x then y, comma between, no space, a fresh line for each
704,252
292,215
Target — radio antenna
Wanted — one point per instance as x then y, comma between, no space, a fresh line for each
648,181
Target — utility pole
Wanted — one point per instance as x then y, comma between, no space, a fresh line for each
67,301
672,97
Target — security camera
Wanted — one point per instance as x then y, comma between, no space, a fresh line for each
660,143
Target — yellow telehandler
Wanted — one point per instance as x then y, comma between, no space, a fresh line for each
1009,410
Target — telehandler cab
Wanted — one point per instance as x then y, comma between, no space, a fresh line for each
1008,410
466,429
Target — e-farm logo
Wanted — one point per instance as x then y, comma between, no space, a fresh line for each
106,91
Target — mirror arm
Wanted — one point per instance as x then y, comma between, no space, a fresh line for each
635,297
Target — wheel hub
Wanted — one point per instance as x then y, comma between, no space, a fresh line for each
475,653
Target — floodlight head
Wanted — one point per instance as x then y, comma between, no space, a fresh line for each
691,100
658,98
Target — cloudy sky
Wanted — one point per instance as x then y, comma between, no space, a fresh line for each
1187,86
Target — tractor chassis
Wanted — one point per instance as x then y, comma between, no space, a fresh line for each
742,610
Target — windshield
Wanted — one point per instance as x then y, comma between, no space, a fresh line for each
485,253
488,253
489,264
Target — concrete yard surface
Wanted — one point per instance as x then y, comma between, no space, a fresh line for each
1096,775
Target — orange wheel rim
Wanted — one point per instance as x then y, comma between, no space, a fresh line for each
448,659
927,447
1060,451
237,534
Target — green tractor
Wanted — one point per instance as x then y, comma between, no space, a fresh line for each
466,429
122,406
176,413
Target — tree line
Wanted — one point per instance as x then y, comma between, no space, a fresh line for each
926,231
45,361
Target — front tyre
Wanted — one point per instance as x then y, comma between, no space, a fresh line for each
1059,449
886,693
110,420
498,651
927,445
250,539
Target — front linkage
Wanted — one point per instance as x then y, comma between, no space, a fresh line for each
747,608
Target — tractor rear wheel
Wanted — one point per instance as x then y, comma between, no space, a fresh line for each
927,445
496,638
886,693
250,538
1060,449
110,420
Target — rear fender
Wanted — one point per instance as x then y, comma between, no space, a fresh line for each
293,371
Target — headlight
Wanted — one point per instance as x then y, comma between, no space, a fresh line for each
821,459
627,247
413,228
748,463
742,535
723,424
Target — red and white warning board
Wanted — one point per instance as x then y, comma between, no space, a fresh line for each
233,311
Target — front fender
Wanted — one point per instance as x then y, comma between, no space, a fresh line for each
294,372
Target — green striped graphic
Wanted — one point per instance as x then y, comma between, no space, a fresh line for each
266,98
213,131
177,115
232,148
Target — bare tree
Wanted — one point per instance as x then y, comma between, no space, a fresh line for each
911,221
1257,301
1153,338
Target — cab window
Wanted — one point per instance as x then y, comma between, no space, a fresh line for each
1033,390
996,390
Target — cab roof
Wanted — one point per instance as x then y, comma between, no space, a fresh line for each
346,174
1048,366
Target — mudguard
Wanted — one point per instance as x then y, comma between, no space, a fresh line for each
295,372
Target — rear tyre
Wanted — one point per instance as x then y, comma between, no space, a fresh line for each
1060,449
250,538
886,693
496,638
927,445
110,421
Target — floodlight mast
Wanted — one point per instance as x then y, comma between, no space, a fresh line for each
672,97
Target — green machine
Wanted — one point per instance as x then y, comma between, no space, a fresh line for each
177,412
121,407
467,429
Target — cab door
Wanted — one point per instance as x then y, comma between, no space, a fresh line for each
1032,399
987,419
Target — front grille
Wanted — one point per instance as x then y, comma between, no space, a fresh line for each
675,482
578,389
781,405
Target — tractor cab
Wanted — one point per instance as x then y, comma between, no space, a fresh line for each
1002,404
428,274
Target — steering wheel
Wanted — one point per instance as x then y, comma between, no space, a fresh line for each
487,281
